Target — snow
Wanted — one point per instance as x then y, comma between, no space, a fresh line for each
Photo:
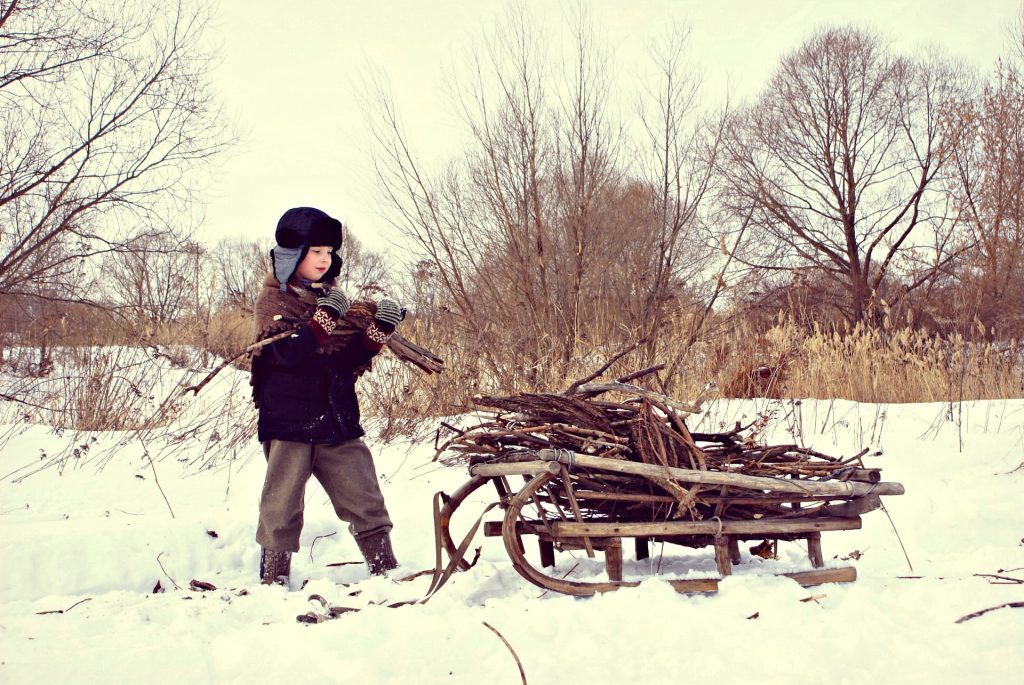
93,536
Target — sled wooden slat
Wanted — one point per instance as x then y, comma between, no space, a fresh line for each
756,527
820,576
694,585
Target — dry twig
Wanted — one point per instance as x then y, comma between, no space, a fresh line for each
522,673
982,612
312,544
157,480
176,586
64,611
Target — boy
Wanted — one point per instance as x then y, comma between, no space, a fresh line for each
304,389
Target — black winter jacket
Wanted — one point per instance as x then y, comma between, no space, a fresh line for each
308,397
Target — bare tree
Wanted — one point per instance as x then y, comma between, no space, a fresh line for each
240,267
988,191
155,279
1016,51
484,223
836,162
546,240
105,107
678,154
363,271
587,146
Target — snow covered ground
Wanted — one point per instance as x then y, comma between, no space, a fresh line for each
83,547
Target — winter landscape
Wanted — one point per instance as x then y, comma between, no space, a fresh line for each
808,214
100,555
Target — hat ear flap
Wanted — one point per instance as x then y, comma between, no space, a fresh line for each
284,261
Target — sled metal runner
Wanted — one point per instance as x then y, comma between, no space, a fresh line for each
566,501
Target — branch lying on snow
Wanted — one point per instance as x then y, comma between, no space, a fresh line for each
982,612
522,673
63,611
157,481
1001,580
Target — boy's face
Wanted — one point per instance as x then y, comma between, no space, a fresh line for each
315,264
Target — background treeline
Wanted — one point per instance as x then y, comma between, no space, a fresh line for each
854,230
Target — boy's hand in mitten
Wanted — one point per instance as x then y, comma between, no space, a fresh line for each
329,309
384,322
389,314
336,301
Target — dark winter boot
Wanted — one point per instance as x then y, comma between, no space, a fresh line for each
275,567
376,549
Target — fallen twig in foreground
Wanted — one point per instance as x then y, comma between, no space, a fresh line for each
522,673
63,611
1001,580
982,612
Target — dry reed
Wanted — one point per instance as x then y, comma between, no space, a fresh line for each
887,364
875,365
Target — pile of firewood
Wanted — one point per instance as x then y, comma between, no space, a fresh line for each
619,421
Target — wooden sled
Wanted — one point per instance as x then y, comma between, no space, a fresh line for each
568,501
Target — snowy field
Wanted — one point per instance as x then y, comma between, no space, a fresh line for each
85,542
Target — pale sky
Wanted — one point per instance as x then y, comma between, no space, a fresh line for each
289,73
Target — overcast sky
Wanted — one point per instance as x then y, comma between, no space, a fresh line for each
289,73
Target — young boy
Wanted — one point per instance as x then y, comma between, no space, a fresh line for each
304,389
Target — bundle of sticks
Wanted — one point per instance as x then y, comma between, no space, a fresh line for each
623,422
356,320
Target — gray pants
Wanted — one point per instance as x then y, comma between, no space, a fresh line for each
345,471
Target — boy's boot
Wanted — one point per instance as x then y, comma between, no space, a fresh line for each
376,549
275,567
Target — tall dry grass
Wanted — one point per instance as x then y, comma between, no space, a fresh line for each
115,388
89,388
876,365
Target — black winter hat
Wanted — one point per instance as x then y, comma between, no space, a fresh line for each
298,229
306,227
